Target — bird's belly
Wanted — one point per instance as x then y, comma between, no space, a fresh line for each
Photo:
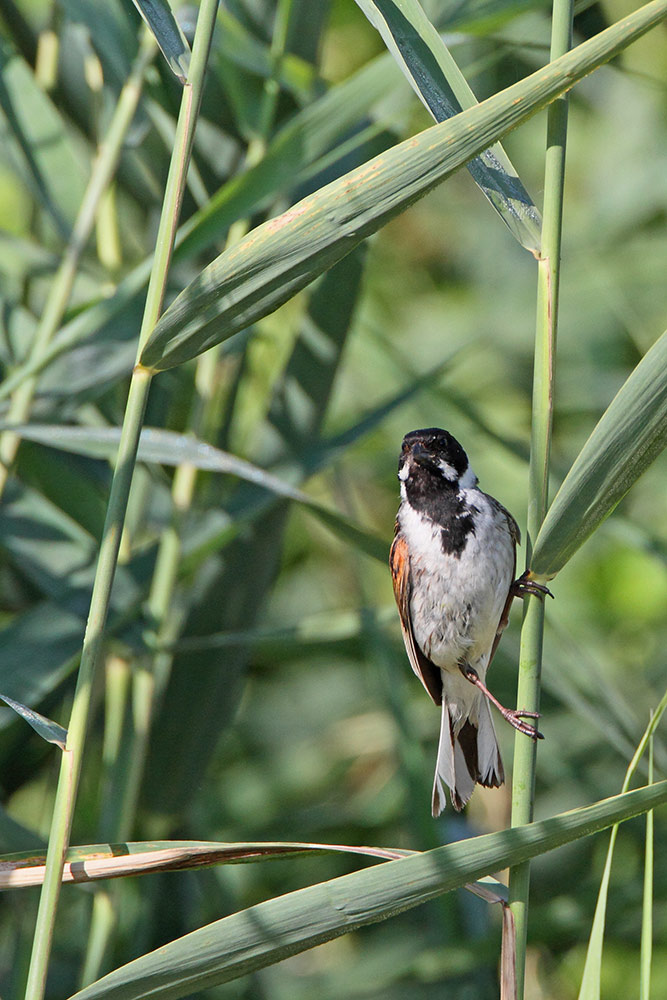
457,601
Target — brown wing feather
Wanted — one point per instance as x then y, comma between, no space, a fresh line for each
426,671
505,616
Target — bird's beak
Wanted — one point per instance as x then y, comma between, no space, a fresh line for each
422,456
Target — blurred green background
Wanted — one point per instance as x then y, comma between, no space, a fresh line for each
291,712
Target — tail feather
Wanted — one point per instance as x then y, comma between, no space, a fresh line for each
490,766
470,757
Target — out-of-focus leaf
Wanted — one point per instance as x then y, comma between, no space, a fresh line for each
167,33
46,545
54,553
282,256
591,979
270,931
14,836
111,28
170,448
235,42
311,632
192,718
439,83
312,460
46,728
39,649
33,134
629,436
297,149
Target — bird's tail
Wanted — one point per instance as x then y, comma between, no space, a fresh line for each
467,755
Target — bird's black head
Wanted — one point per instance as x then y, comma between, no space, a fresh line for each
434,453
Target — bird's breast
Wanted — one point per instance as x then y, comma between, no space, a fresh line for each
457,597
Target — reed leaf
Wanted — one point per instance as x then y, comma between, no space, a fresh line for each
433,74
273,930
279,258
628,437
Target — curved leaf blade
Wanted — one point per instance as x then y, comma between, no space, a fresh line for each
166,30
270,931
46,728
441,86
282,256
102,861
630,434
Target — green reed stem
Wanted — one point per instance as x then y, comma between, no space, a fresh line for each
548,279
120,487
150,678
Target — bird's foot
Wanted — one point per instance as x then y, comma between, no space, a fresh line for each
526,585
514,716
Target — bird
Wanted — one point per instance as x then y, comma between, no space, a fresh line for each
453,565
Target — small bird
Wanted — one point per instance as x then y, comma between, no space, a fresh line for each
453,563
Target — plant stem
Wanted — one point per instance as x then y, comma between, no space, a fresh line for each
73,754
548,279
58,298
120,487
150,678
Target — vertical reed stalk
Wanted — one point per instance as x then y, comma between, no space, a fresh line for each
150,678
117,505
548,278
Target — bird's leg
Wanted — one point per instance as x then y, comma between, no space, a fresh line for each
526,585
513,716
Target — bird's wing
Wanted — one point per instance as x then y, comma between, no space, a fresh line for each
505,616
426,671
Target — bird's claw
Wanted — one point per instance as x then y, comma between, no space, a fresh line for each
526,585
514,717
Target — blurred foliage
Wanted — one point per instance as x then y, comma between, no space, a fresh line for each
290,712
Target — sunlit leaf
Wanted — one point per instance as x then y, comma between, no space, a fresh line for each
629,436
307,143
282,256
270,931
439,83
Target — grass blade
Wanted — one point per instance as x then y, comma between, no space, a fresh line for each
167,33
46,728
282,256
439,83
590,982
629,436
271,931
646,952
104,861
